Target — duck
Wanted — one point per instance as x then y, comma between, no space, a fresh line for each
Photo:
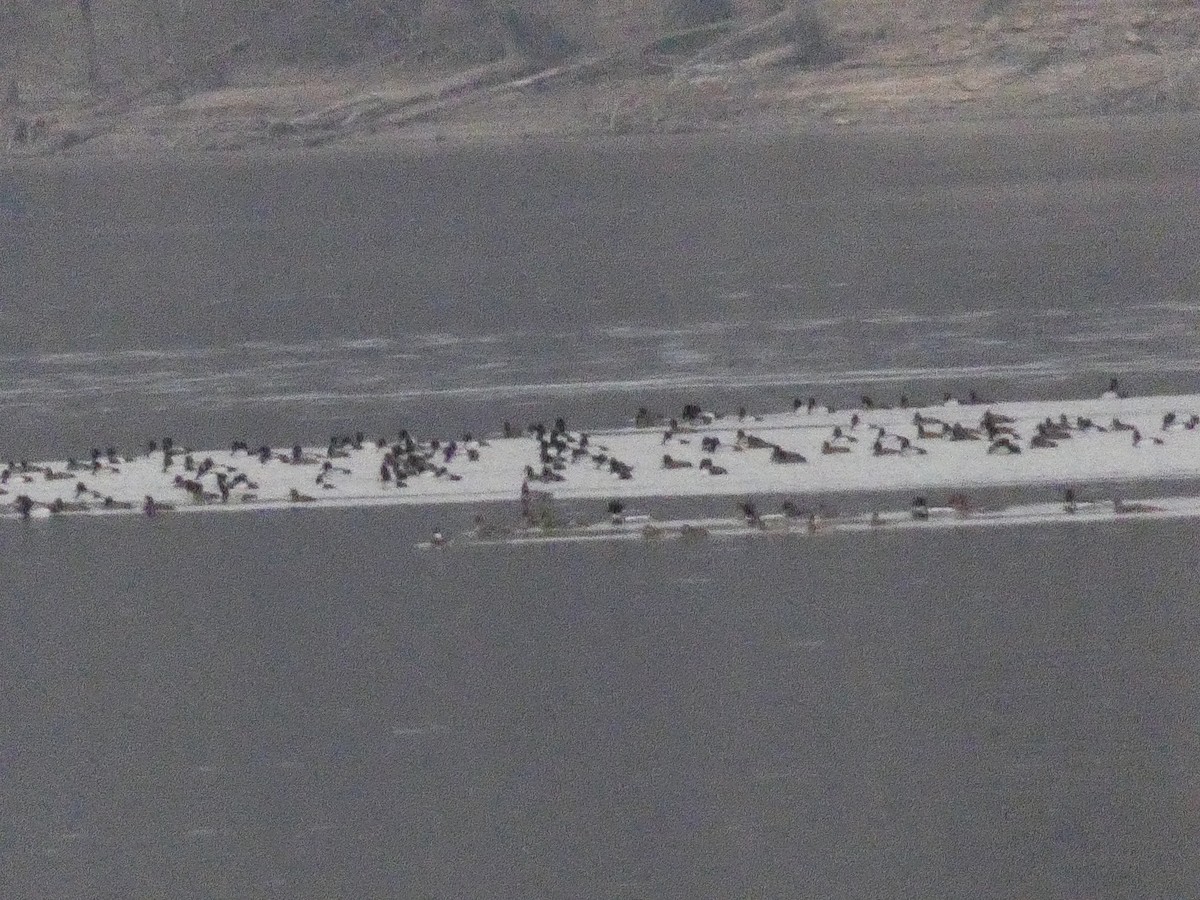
786,457
668,462
754,442
920,508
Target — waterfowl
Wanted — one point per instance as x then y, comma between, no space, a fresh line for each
786,457
669,463
754,442
791,510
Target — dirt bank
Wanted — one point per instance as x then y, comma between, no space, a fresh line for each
709,66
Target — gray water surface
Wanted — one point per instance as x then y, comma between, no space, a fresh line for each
292,296
300,705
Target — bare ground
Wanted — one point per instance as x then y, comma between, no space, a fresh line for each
767,74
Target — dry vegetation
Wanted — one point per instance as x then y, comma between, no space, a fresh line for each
123,74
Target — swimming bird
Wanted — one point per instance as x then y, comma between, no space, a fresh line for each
792,511
960,503
1120,507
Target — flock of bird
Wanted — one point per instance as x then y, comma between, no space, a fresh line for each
236,476
559,450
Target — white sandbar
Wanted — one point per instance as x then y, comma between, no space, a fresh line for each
1087,457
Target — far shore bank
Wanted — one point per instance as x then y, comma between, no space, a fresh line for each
1127,135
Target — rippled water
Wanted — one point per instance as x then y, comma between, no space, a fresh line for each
292,295
297,391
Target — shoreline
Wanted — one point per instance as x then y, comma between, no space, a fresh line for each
1179,128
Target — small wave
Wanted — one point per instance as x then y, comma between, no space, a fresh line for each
900,317
366,344
1170,306
649,332
306,347
436,340
807,325
1166,331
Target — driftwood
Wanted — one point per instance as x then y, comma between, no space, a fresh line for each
399,109
799,29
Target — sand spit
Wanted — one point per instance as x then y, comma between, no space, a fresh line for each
811,450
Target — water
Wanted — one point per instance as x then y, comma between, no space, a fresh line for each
292,297
302,705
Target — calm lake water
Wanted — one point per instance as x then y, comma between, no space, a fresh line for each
302,705
278,299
